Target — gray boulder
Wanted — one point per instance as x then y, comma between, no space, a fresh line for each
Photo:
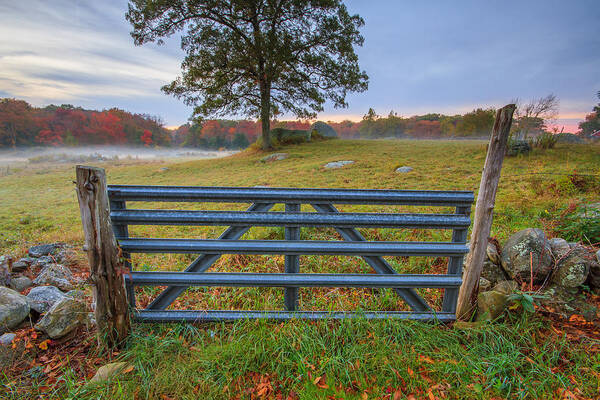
404,169
527,252
42,250
274,157
19,266
337,164
42,261
20,283
55,275
63,317
493,272
42,298
490,305
323,129
7,339
14,308
573,268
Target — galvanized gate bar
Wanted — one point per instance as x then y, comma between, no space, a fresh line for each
294,247
220,316
455,264
379,265
287,195
292,262
203,262
290,280
243,218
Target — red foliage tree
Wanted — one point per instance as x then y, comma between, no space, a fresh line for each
146,137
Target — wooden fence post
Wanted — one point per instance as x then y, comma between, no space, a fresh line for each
482,224
106,265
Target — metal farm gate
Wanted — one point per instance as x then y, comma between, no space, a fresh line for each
259,214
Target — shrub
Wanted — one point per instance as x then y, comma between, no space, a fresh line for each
579,224
546,140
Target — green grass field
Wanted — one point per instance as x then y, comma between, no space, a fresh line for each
522,357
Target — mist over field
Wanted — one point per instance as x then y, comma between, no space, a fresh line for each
71,155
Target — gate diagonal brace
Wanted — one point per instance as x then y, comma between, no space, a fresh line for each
379,265
204,261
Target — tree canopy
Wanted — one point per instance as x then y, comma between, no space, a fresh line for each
258,58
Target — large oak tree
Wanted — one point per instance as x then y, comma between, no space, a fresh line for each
257,57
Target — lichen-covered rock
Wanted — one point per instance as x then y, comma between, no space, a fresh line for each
55,275
572,270
493,272
492,253
20,283
63,317
560,247
323,129
42,250
42,262
506,287
567,301
14,308
490,305
42,298
527,253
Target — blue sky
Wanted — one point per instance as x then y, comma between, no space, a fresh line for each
427,56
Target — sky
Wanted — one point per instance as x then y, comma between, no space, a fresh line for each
428,56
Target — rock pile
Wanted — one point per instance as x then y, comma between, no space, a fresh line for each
57,313
559,269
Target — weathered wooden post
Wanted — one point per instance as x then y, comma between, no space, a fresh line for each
106,265
482,224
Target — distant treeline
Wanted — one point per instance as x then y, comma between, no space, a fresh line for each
24,125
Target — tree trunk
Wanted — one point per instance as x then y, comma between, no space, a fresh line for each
467,297
104,256
265,114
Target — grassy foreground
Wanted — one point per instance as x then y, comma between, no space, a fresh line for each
522,357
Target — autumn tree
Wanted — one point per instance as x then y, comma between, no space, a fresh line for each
532,116
15,122
592,121
257,57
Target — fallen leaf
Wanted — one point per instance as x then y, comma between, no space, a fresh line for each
410,371
44,345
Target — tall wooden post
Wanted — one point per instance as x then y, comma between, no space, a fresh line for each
482,224
106,264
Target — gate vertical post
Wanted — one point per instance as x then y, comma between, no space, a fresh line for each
106,265
484,209
122,232
455,264
292,262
